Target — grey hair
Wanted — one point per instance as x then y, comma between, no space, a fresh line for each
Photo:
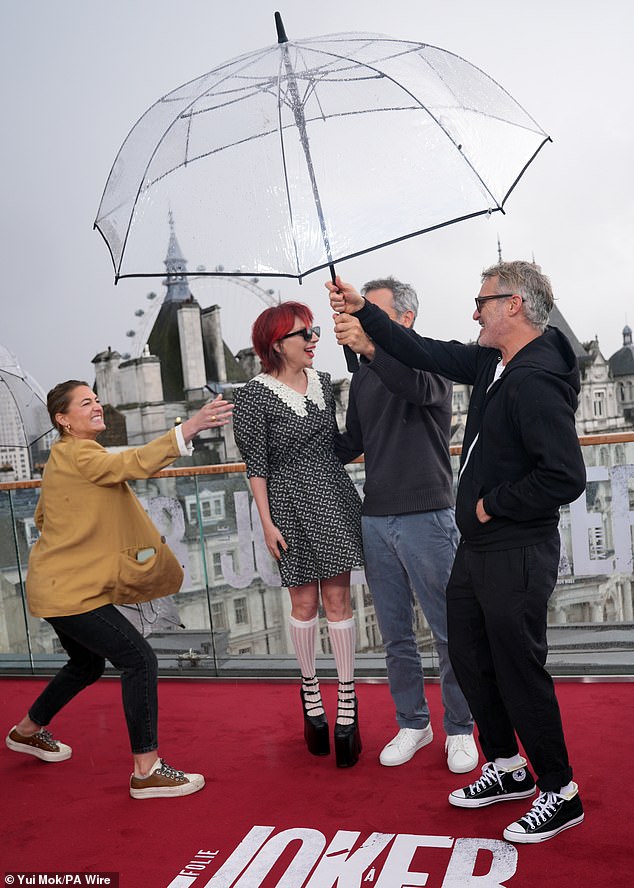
526,279
404,296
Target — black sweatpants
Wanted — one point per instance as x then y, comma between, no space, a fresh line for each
496,608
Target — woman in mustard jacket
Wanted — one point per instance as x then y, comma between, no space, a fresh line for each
87,516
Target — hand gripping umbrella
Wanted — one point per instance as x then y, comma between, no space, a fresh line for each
291,158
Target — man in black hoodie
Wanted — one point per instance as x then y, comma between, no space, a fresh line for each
521,461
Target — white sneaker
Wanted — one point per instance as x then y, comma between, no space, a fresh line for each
405,745
462,753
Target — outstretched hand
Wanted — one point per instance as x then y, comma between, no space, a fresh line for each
344,297
213,415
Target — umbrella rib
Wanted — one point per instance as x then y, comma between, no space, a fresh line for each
425,108
249,59
412,46
27,443
311,85
436,120
523,170
375,75
265,133
189,127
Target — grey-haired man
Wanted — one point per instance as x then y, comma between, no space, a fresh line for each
521,461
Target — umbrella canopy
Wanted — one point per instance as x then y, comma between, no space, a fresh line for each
24,419
313,151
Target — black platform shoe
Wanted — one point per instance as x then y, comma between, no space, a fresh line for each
315,726
347,737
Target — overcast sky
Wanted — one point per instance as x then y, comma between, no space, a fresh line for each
77,74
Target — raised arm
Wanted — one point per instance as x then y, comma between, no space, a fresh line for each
98,465
450,359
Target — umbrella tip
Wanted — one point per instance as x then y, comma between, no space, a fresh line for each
281,33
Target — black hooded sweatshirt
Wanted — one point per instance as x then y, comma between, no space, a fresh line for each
520,452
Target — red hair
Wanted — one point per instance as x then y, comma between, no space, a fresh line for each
271,325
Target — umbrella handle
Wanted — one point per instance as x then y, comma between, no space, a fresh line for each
352,361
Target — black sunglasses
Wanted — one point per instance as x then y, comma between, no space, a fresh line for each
480,300
306,332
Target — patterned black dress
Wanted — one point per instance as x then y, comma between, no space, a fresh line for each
287,438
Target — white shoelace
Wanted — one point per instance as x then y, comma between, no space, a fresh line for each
169,772
490,776
457,742
46,737
402,740
544,807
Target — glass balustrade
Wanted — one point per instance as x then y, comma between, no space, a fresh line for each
230,617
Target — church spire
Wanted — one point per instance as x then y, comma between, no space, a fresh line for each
176,265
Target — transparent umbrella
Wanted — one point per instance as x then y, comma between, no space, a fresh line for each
25,427
308,152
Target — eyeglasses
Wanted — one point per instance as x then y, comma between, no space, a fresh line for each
480,300
306,332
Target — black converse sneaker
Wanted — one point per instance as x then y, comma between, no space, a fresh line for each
551,814
496,785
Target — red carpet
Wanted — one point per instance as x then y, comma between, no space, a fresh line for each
302,813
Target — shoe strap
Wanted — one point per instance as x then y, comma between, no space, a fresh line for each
312,695
346,702
345,692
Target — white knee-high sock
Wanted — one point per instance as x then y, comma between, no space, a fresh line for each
342,638
304,637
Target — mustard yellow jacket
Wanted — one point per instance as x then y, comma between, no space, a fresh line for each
87,514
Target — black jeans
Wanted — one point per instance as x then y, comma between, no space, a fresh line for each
497,607
89,640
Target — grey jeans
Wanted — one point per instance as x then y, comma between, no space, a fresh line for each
409,555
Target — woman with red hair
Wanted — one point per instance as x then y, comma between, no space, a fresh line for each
284,425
